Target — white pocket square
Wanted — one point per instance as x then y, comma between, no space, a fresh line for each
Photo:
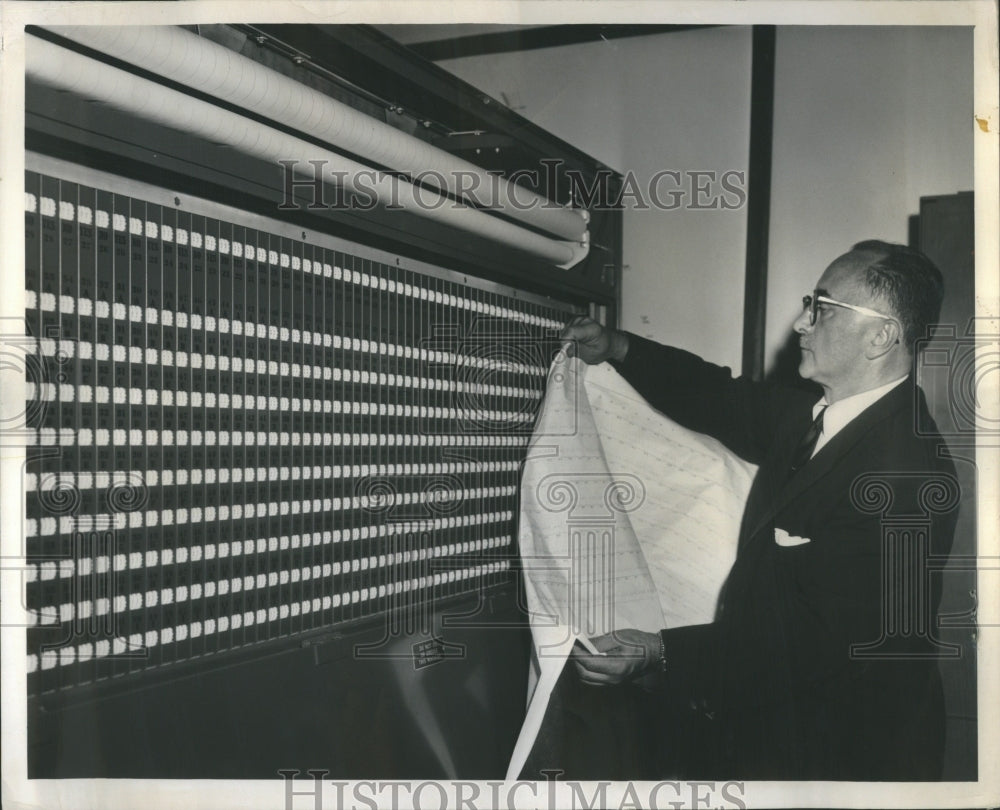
783,538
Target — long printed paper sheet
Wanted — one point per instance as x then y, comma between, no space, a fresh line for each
627,520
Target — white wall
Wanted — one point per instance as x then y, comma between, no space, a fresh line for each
675,101
866,121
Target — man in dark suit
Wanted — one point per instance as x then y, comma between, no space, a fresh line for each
821,661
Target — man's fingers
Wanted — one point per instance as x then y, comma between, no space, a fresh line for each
601,671
601,664
587,339
620,645
593,678
606,642
573,327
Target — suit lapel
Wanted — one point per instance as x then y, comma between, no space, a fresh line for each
834,451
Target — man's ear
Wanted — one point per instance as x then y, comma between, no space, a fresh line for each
884,339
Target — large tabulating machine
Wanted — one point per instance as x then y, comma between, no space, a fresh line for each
280,385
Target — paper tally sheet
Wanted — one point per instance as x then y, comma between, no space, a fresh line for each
627,520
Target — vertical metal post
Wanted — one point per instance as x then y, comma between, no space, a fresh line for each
758,200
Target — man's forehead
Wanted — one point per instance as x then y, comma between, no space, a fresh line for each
846,274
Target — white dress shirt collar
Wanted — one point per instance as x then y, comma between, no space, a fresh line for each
840,413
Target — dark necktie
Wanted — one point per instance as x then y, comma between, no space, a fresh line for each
807,444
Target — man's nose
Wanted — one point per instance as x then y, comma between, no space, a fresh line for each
802,324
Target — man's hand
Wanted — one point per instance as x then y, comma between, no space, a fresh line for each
592,342
628,654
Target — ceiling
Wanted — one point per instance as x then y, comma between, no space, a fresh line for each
410,34
442,42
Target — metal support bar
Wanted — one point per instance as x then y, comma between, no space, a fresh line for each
758,200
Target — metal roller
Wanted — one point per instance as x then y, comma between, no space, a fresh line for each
191,60
91,79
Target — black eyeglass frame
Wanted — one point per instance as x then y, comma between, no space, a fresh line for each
812,302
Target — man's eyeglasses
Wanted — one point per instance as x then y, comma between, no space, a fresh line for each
812,302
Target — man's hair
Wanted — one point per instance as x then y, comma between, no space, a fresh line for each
908,281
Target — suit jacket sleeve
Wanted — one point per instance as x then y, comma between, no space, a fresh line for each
744,415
